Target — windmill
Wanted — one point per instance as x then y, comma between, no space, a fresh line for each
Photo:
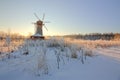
39,24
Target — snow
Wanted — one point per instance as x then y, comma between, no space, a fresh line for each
113,52
51,60
37,34
98,68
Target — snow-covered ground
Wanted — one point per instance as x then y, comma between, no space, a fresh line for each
113,52
61,60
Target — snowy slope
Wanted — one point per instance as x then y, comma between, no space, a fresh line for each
97,68
51,60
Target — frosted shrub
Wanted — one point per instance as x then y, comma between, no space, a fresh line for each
74,55
73,51
53,43
88,53
57,53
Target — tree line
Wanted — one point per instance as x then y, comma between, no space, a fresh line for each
96,36
90,36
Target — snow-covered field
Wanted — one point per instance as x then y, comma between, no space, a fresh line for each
61,59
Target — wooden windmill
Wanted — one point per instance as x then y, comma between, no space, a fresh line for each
39,24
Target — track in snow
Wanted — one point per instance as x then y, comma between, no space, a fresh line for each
113,52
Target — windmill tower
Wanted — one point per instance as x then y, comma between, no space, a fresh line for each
39,28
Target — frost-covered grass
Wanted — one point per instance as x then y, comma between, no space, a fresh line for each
95,43
60,47
41,49
6,49
59,58
12,46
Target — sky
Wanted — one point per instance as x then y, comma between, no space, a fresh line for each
65,16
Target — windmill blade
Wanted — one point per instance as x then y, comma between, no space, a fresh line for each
43,17
36,16
45,27
46,21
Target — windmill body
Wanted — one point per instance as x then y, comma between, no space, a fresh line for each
39,25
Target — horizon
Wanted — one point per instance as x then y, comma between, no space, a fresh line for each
66,17
30,34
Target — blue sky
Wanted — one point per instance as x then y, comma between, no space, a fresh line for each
66,16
